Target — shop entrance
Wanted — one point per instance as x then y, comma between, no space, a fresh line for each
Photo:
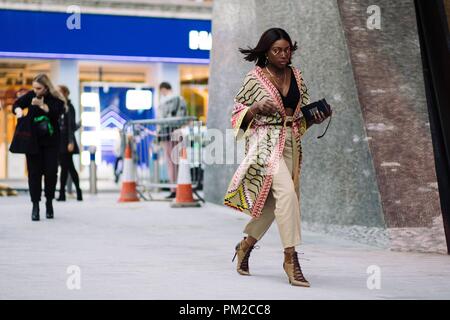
16,78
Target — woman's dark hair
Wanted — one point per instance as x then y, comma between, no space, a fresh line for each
165,85
266,41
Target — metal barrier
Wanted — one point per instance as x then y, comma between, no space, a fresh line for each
92,171
154,141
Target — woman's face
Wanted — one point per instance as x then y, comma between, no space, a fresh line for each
279,53
39,89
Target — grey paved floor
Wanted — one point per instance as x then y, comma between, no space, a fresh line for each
147,250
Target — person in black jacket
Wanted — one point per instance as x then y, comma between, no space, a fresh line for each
68,147
37,135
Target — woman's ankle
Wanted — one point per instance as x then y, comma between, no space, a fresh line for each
289,250
250,241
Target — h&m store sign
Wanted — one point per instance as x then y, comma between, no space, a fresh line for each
104,37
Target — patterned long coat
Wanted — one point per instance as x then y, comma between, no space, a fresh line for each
264,142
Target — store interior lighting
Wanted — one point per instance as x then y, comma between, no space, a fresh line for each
139,99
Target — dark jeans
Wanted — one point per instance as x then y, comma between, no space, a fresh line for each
45,163
67,166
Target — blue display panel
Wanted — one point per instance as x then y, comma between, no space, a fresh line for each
105,111
108,37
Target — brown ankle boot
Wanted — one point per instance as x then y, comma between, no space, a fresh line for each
293,270
243,250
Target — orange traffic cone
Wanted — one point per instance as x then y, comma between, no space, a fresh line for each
128,192
184,197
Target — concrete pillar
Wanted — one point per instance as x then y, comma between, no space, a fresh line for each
234,25
383,44
66,72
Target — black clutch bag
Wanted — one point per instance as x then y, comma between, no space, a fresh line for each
321,105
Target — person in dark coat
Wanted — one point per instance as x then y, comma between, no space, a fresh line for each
37,135
68,147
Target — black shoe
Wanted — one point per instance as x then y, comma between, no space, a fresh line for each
79,195
49,206
62,197
172,195
35,212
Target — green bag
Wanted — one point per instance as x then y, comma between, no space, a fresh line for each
43,126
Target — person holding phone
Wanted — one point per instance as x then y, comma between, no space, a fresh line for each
37,136
267,113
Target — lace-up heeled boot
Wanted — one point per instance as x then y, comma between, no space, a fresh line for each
243,250
292,268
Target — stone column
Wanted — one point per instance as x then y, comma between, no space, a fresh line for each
387,67
66,72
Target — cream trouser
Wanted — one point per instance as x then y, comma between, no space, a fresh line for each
282,202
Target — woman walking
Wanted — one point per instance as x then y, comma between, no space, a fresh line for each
68,147
37,136
266,184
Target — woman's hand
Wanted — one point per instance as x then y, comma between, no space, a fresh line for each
265,107
319,117
18,112
37,102
70,147
40,103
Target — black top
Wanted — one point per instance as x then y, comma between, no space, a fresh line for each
68,126
25,139
293,96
